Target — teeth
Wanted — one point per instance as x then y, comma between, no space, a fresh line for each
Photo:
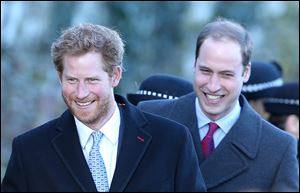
213,97
83,104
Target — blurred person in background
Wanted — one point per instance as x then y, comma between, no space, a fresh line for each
264,77
283,108
237,149
161,86
102,142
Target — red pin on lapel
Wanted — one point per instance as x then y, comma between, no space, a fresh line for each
141,139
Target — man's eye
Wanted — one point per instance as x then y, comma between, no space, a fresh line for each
93,80
228,75
204,71
72,80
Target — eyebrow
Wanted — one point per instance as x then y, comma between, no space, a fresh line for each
228,71
224,71
68,76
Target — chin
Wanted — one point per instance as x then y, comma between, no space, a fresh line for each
212,112
86,119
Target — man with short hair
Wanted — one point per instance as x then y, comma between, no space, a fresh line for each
102,142
237,149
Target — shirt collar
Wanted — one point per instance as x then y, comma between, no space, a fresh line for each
224,123
110,129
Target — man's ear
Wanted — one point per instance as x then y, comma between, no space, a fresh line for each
59,74
247,72
116,77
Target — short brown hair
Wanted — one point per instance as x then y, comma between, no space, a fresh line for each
221,28
89,37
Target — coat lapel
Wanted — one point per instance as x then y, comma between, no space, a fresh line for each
135,142
68,147
184,112
232,155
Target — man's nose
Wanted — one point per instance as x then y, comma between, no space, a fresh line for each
214,83
82,90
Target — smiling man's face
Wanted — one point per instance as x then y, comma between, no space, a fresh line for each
87,89
219,76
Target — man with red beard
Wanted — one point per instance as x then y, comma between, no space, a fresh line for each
102,142
237,149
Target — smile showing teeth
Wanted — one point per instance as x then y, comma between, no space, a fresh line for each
213,97
83,104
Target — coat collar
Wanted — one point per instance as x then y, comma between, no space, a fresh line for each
239,146
67,145
133,142
234,152
184,112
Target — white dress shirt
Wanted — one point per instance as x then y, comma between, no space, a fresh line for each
224,123
109,142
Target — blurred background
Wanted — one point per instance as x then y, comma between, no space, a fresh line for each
160,37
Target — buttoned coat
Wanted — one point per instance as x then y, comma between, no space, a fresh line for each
253,156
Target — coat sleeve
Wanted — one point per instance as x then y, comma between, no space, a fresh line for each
287,178
14,179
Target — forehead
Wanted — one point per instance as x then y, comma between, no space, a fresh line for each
221,49
84,64
81,60
223,44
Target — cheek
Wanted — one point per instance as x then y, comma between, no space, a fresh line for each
100,90
67,89
228,84
199,79
233,86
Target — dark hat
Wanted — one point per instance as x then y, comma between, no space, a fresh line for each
161,86
264,76
285,100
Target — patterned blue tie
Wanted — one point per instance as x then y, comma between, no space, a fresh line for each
96,164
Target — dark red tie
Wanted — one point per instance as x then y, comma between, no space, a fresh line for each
208,141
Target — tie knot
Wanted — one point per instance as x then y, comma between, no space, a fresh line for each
97,136
212,128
